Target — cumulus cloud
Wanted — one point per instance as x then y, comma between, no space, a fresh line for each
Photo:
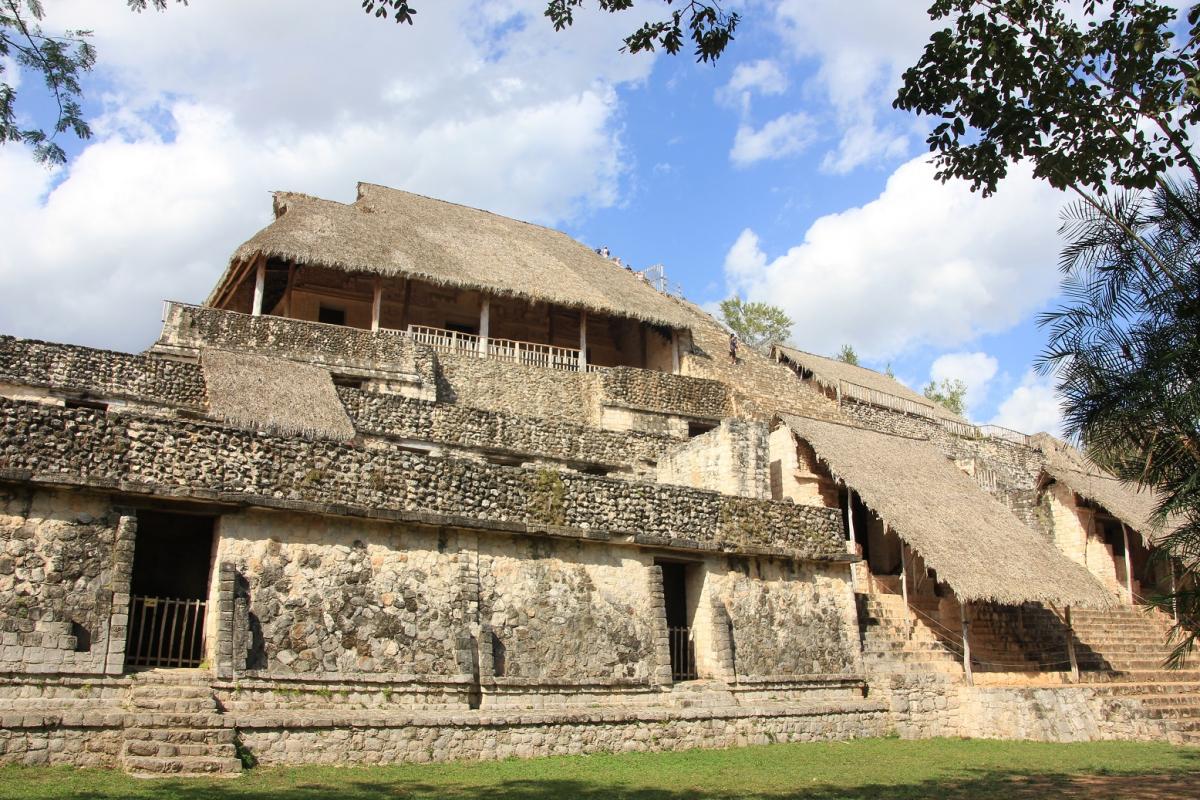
925,263
209,107
861,51
976,370
1033,407
783,136
763,76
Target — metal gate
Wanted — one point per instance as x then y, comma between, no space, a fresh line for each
165,632
683,654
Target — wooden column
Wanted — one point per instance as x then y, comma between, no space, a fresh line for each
674,352
287,290
260,282
376,303
1128,565
1174,590
853,543
966,630
903,575
485,313
1071,646
583,340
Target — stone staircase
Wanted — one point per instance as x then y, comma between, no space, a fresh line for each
702,694
173,727
894,640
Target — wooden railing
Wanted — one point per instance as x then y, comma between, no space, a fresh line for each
865,394
165,632
508,350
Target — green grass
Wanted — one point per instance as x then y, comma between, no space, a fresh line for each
889,769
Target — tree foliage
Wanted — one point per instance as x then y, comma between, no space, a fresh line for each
757,324
1125,348
950,393
1093,101
847,355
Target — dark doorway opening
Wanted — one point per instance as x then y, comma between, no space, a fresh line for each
862,522
172,566
679,632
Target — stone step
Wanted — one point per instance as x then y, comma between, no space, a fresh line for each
139,747
156,719
182,766
196,705
217,736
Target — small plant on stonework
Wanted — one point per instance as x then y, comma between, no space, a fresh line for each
311,477
546,496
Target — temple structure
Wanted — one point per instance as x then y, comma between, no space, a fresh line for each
419,482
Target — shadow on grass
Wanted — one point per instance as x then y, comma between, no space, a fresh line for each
977,785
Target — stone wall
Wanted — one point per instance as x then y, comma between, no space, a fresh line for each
571,397
64,573
1014,466
789,621
208,461
332,596
731,459
102,373
682,395
337,347
564,612
510,433
936,706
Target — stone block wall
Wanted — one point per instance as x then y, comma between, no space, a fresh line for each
731,459
106,373
681,395
64,574
511,433
189,327
209,461
338,597
570,613
499,386
789,620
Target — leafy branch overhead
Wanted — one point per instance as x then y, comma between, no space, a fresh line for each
951,394
757,324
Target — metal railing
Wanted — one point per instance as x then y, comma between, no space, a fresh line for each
509,350
165,632
683,654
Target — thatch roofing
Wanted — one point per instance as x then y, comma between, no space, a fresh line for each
392,233
1131,504
828,371
274,394
973,542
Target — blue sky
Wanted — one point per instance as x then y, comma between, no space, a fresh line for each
781,174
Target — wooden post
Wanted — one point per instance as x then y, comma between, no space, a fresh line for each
966,630
287,291
583,340
1128,564
404,323
1071,646
674,352
903,576
853,543
260,282
1174,590
376,303
485,314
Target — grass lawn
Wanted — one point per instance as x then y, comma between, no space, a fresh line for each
883,769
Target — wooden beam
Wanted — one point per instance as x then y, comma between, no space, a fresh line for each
674,352
376,303
853,543
583,340
903,576
1128,565
260,282
235,279
287,290
485,320
966,641
1071,646
1174,590
404,307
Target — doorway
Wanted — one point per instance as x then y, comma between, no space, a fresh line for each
679,631
172,567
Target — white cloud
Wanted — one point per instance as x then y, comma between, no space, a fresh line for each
861,51
976,370
783,136
211,106
1033,407
763,77
925,263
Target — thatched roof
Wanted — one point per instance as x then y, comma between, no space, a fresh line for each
1131,504
828,371
975,543
274,394
393,233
